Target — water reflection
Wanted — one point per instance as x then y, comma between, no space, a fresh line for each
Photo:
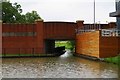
66,54
65,66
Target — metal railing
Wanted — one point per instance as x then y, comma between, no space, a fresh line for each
92,26
97,27
110,32
80,31
88,28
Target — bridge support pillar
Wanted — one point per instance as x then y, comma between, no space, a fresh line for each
80,24
40,35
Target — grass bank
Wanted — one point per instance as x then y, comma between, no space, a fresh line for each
115,60
27,55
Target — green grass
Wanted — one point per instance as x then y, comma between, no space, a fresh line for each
25,55
67,44
115,60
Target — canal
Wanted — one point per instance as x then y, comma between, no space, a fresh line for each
65,66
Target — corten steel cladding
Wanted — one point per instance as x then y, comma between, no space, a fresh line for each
30,38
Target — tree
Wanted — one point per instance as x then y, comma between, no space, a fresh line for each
12,13
31,17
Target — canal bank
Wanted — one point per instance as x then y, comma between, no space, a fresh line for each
114,60
65,66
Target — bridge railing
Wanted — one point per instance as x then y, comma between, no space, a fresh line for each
88,28
92,26
80,31
97,27
110,32
104,32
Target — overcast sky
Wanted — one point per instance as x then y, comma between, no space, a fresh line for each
70,10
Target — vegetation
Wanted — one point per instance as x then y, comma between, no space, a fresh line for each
68,44
115,60
25,55
12,13
31,17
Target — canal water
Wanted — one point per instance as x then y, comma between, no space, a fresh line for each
65,66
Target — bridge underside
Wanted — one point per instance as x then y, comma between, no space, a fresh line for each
57,31
50,45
